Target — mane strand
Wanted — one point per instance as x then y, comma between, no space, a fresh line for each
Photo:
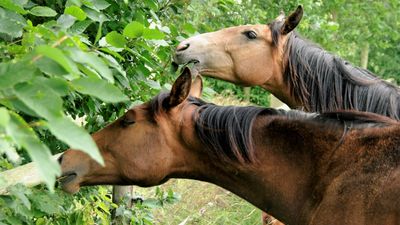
322,82
226,131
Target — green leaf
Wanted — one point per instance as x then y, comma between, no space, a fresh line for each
95,15
65,21
76,12
11,5
76,137
116,39
93,61
43,11
189,28
153,84
58,56
9,150
4,117
152,4
11,23
40,98
153,34
18,105
99,88
46,202
133,30
50,67
19,193
13,73
97,4
80,27
58,85
24,136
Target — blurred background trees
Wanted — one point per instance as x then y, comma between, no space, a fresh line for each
92,59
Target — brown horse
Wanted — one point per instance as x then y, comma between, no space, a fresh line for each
296,71
332,168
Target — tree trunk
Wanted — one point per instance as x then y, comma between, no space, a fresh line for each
246,91
364,56
119,192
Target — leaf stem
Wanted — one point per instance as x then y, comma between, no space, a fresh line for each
57,43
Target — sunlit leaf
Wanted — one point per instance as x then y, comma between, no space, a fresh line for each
99,88
50,67
65,21
43,11
58,85
13,6
152,4
58,56
116,39
97,4
80,26
40,98
93,61
133,30
76,12
25,137
76,137
95,15
13,73
4,117
153,34
47,202
11,23
9,150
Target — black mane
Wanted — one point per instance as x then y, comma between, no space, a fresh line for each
323,82
226,131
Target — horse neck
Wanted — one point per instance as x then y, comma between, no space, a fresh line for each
280,182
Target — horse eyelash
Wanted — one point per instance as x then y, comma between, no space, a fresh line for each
250,34
126,123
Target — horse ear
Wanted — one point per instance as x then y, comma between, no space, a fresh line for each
180,90
292,20
197,87
281,17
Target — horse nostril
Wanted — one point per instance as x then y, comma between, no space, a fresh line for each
60,158
182,47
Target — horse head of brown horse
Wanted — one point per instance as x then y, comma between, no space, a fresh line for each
139,148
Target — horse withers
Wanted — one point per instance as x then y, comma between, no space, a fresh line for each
332,168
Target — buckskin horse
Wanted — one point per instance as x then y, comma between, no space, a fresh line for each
303,168
296,71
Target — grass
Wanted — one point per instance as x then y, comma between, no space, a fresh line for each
203,203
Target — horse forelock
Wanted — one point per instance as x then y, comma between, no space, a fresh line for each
322,82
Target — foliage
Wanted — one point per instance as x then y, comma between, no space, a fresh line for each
79,60
89,206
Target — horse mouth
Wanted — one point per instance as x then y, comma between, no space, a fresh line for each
66,178
175,64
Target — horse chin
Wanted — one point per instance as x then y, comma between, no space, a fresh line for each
71,188
69,182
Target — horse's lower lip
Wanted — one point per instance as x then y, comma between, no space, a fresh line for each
179,59
67,177
194,61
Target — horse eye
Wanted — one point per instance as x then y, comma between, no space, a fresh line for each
250,34
125,122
